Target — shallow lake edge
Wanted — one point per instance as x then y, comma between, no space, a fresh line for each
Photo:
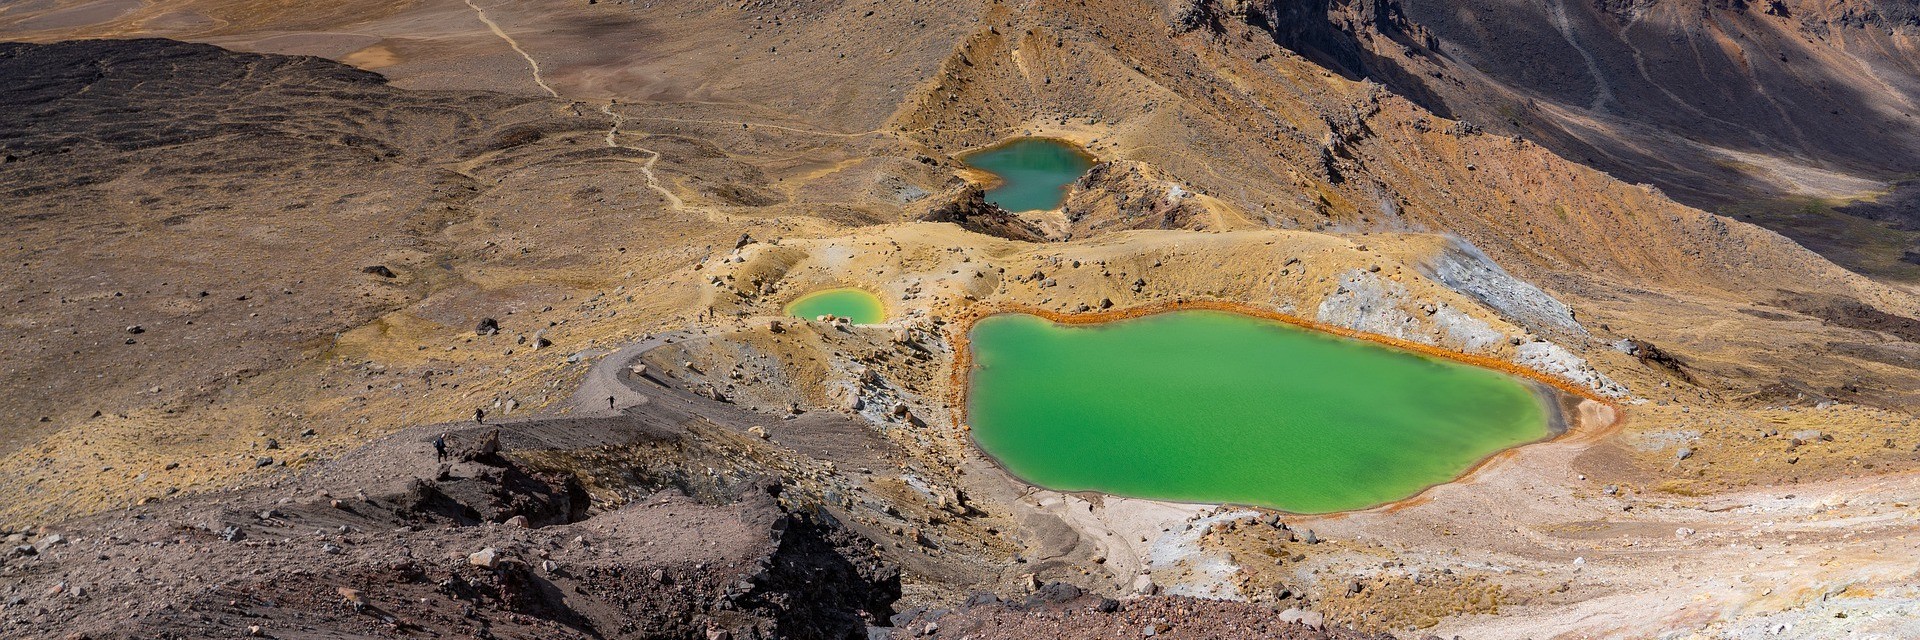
1564,409
886,310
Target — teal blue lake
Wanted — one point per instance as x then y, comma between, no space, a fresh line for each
1033,172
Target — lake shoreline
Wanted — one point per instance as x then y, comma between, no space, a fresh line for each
1063,161
1571,412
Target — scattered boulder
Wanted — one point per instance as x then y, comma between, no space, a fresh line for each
487,327
1055,593
379,270
487,558
485,448
1311,619
47,542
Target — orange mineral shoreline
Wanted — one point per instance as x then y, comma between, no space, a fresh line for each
1578,429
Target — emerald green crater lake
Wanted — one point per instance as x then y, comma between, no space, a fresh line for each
1210,406
1033,172
855,305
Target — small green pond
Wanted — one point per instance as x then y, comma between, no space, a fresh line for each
855,305
1206,406
1033,172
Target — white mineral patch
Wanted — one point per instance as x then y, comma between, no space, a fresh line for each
1182,567
1463,268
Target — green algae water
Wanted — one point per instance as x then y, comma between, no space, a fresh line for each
855,305
1034,172
1208,406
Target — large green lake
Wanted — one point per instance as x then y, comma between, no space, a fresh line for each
1034,172
1207,406
855,305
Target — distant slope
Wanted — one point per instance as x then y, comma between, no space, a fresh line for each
1770,109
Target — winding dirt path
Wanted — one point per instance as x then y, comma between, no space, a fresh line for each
646,169
495,28
653,181
605,381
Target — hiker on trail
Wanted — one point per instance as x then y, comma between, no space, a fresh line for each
479,416
440,448
609,402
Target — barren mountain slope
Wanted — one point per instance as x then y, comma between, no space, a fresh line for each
1754,110
618,184
1798,115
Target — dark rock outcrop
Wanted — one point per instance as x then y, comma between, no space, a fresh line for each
388,541
972,212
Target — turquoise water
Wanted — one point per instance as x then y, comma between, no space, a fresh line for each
1034,172
1207,406
855,305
